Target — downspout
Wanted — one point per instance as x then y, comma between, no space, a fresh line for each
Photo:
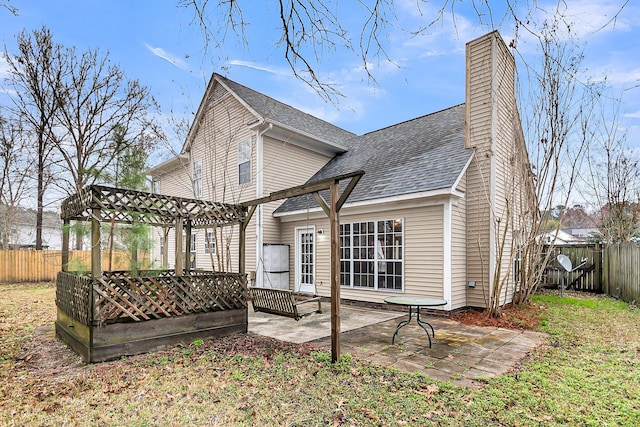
447,292
259,210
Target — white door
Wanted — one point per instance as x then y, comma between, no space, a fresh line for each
305,260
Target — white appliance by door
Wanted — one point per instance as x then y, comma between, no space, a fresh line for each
305,266
276,266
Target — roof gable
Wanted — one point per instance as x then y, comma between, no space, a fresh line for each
269,110
274,111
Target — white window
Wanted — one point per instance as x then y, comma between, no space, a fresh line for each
244,162
155,185
372,255
210,243
197,178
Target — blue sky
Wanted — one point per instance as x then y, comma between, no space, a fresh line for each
154,42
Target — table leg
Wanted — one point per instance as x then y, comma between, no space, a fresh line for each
400,325
420,322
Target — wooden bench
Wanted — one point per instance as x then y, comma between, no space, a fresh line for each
282,302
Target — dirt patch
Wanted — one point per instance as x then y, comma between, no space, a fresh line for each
511,317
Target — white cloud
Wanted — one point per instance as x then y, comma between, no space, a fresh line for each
4,73
169,57
259,67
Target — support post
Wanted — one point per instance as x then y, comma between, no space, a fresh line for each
242,249
178,238
334,225
165,248
65,245
188,264
134,256
96,252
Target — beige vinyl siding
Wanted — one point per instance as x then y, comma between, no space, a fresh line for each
221,127
505,182
423,252
479,136
285,165
459,250
176,182
494,178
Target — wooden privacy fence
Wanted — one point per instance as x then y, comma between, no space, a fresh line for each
612,269
17,266
586,278
622,271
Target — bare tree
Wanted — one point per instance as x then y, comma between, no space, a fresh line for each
14,183
311,30
560,125
35,74
94,98
613,175
6,4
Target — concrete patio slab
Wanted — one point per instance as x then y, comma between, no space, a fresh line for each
462,354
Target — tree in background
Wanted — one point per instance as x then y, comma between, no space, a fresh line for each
14,183
35,74
73,102
613,176
128,171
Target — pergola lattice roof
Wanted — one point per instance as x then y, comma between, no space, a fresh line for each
127,206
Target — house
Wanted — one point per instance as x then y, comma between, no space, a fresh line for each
18,228
435,213
560,238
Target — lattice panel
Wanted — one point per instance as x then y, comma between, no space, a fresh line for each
73,296
129,206
145,298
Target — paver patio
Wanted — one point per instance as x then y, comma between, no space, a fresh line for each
460,353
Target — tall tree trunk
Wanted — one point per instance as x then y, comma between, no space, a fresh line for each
41,188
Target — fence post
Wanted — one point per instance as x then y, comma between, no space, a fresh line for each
597,260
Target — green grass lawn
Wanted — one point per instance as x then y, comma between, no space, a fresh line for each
589,374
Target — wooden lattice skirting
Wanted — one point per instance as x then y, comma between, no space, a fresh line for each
117,315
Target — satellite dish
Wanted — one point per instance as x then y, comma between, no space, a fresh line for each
565,262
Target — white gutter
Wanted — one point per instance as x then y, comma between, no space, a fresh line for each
259,210
444,192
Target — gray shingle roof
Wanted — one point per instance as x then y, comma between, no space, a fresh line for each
423,154
279,112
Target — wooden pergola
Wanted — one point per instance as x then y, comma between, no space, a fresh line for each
332,210
106,314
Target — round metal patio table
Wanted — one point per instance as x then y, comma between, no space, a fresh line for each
418,302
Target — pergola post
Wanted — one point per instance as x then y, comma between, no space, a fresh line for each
65,245
96,251
165,247
334,225
187,247
178,238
